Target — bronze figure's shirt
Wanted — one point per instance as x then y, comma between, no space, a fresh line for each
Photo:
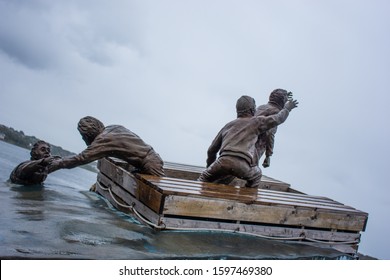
30,172
238,137
115,141
265,143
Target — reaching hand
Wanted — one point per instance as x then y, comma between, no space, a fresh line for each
291,104
289,95
55,164
47,161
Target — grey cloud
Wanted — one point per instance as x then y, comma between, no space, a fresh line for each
49,33
24,38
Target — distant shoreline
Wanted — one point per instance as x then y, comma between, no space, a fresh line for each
18,138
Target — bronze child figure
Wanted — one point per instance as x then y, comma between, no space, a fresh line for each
265,144
236,141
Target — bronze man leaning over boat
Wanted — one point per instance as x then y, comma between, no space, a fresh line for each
113,141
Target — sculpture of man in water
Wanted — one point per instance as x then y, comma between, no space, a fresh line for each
236,144
113,141
35,170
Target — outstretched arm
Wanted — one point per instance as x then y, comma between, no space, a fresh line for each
266,123
92,153
31,172
71,162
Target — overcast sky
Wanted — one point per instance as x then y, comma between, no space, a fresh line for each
171,71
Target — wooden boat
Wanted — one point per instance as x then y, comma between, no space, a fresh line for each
274,211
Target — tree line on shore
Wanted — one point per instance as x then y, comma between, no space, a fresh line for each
18,138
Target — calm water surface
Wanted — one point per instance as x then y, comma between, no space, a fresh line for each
63,220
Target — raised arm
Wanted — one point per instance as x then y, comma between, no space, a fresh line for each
266,123
31,172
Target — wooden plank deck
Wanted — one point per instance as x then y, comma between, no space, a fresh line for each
190,172
179,201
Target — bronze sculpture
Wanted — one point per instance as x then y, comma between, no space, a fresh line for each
266,140
113,141
236,144
35,170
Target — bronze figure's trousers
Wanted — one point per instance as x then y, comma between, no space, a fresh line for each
153,164
225,168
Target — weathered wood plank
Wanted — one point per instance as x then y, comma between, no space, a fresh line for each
113,202
268,230
284,215
183,167
151,197
143,192
242,194
191,172
273,232
169,190
182,171
186,184
118,175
